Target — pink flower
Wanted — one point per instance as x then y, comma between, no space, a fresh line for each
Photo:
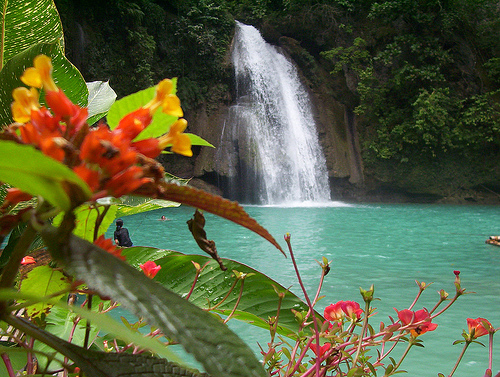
351,309
28,260
319,351
150,269
478,326
341,309
334,312
419,322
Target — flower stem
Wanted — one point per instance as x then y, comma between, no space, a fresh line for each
410,344
311,308
447,306
363,331
195,280
459,358
227,294
416,298
237,302
8,365
490,363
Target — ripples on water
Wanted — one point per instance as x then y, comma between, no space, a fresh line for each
389,246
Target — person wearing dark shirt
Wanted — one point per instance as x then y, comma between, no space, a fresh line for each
121,235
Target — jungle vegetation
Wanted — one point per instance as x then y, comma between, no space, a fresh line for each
423,76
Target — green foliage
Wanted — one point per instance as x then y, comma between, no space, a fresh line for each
40,282
178,275
198,331
411,88
493,67
37,174
159,125
356,57
134,44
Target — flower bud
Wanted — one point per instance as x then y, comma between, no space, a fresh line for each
457,280
443,294
367,294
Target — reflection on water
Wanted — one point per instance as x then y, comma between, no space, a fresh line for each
389,246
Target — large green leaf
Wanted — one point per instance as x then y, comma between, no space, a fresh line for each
43,281
138,255
37,174
67,77
101,97
86,217
196,140
103,364
99,320
258,301
130,204
26,23
61,323
30,28
212,343
159,125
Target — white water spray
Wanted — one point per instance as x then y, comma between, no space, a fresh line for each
270,141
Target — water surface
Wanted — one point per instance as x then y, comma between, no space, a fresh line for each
389,246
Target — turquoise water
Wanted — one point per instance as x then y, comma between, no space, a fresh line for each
389,246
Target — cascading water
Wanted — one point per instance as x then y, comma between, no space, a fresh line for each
269,142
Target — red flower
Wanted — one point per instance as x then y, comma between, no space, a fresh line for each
418,322
150,269
334,312
126,181
91,177
28,260
74,115
478,326
107,244
351,309
43,120
320,351
132,124
339,310
147,147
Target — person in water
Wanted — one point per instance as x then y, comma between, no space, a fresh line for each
121,235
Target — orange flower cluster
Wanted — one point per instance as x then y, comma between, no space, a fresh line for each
109,161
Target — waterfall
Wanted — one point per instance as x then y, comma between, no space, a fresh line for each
270,143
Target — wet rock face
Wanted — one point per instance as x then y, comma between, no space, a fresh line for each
338,136
335,126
